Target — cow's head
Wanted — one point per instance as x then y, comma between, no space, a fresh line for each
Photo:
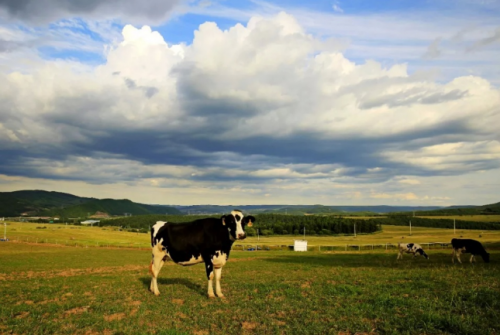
486,257
236,222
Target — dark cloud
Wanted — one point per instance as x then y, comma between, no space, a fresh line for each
149,91
10,46
495,38
433,51
305,150
43,11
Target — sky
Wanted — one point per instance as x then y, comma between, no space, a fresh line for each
252,102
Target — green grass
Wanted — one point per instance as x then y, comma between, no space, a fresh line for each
64,290
98,236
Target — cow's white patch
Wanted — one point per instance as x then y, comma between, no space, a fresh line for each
157,227
219,259
192,261
239,227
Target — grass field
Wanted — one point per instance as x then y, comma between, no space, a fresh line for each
48,289
94,236
64,290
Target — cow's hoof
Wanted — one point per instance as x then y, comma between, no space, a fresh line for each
156,293
211,296
220,295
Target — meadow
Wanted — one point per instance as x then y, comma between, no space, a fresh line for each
111,236
48,288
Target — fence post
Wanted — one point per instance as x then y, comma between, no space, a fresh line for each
319,248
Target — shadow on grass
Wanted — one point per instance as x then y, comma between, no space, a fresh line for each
175,281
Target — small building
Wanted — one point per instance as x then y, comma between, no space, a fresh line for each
89,222
300,245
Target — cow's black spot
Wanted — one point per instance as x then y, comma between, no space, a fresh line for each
410,245
237,217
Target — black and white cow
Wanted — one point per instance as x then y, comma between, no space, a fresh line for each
411,248
206,241
472,247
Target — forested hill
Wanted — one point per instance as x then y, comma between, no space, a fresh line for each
492,209
36,201
111,207
302,209
64,205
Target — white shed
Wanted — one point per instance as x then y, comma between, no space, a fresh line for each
300,245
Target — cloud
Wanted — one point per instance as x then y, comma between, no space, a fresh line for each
264,105
44,11
433,50
409,181
336,7
485,41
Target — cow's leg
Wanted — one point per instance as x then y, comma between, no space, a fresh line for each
453,253
155,267
218,273
459,251
472,258
210,275
400,255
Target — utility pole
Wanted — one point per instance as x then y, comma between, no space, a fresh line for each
258,236
304,233
410,227
4,229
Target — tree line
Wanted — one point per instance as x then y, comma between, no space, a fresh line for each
266,224
404,220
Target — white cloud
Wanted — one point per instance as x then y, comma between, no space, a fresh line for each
336,7
263,103
409,181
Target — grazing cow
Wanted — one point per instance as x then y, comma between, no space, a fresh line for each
206,241
411,248
472,247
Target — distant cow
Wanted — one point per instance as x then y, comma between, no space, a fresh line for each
411,248
206,241
472,247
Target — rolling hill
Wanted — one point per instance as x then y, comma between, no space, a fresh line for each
490,209
44,203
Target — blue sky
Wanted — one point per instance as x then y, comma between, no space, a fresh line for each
332,102
447,20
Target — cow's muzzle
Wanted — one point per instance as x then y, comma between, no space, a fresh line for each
242,236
